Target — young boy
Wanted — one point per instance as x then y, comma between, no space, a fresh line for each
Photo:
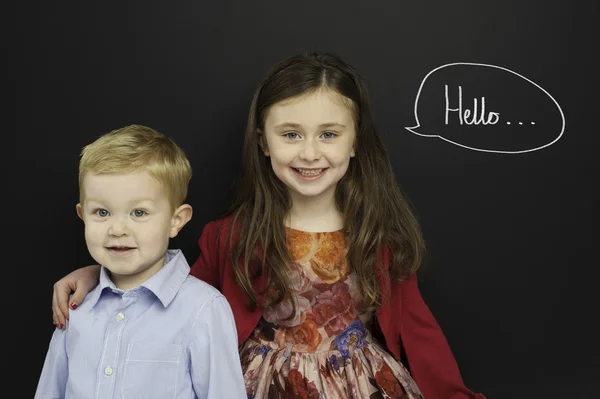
149,329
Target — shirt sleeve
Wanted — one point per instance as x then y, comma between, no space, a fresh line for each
216,370
428,354
53,380
206,267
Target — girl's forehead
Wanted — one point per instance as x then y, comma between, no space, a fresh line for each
322,106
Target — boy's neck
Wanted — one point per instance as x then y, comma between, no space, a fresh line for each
315,215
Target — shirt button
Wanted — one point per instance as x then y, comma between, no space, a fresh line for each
108,371
120,316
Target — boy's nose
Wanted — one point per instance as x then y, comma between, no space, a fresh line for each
118,228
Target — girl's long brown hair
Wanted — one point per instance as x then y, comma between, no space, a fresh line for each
376,214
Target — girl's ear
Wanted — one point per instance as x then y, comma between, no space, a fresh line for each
352,153
262,142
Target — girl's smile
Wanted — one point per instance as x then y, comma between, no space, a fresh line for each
309,174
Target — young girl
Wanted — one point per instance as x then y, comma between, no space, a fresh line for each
318,254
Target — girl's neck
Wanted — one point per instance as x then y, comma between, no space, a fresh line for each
314,215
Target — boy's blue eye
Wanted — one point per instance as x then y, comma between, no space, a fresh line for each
139,213
101,212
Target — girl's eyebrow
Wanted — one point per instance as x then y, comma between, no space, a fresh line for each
296,125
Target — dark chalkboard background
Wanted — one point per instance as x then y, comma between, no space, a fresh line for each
512,274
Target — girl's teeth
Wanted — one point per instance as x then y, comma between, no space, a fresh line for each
312,172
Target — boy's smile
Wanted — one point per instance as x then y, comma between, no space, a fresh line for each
120,250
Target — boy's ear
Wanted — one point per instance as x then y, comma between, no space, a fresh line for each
79,209
262,142
181,216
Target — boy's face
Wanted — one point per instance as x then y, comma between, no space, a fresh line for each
128,222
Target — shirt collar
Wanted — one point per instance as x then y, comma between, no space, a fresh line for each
164,284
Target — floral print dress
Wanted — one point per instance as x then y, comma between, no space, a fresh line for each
326,349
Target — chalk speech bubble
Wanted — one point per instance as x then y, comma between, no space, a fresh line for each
486,108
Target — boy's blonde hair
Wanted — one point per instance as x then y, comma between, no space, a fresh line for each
138,148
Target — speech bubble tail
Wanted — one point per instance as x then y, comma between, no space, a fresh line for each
414,130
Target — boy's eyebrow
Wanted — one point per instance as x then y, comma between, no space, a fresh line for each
322,125
89,199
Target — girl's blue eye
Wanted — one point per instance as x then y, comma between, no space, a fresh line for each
139,213
328,135
101,212
291,135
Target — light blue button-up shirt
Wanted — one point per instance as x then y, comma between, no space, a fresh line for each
172,337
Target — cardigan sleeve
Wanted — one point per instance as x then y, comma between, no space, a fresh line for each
206,267
428,354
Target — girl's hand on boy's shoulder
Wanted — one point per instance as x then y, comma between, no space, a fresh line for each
79,282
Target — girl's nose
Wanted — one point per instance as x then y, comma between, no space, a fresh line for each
310,151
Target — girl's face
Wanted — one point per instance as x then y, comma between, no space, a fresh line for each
310,140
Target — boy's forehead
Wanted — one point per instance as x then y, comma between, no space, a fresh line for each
139,185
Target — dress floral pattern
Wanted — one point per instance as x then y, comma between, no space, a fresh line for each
325,350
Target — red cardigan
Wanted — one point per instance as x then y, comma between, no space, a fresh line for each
404,321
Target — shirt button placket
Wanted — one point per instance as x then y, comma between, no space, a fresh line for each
108,370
